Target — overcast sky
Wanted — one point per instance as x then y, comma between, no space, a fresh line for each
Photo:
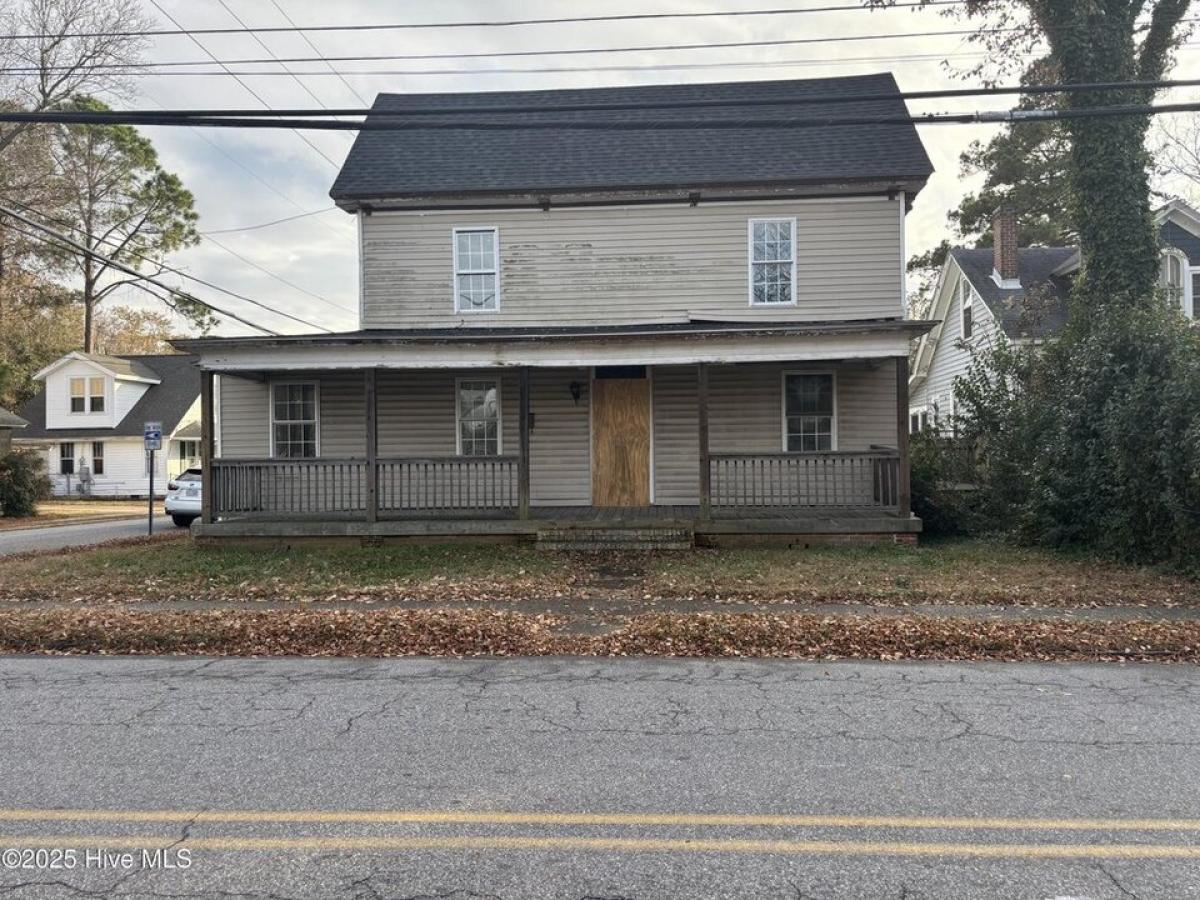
243,178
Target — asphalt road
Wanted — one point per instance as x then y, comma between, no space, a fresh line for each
601,779
58,537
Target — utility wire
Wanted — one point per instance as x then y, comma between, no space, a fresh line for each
278,278
182,274
492,23
50,235
1091,87
1008,116
238,79
359,97
304,215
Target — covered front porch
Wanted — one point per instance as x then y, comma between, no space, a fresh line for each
790,446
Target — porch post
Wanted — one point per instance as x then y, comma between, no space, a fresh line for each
206,447
904,490
372,442
523,460
702,421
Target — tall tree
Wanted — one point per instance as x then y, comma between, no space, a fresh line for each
122,205
123,329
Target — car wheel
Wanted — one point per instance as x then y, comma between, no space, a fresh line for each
183,521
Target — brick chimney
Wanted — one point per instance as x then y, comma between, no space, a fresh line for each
1004,243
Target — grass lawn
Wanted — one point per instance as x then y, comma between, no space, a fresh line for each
935,572
51,511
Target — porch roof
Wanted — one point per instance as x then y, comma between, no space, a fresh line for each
558,346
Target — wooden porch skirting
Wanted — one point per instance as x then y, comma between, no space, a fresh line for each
768,522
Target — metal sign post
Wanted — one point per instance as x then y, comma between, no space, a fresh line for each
152,436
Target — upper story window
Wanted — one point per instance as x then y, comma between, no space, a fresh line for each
87,395
294,420
478,416
809,416
966,306
772,262
476,270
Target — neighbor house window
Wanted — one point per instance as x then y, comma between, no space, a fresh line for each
78,395
294,420
808,412
97,457
772,262
918,420
66,459
965,304
189,450
476,270
478,417
1172,275
95,395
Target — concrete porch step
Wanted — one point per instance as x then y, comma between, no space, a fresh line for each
584,538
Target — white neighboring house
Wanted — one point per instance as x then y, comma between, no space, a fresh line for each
88,419
9,422
1021,292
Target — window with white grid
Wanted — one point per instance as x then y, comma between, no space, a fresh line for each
808,411
294,420
476,270
478,417
772,262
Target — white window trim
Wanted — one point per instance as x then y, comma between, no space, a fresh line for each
966,299
1189,294
750,260
88,395
920,412
833,425
454,233
458,451
271,416
1186,301
92,457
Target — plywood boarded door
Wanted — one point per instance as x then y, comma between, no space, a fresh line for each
620,441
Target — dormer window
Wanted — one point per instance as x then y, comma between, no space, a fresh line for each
965,303
476,270
87,395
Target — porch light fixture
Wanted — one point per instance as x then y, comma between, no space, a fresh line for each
576,391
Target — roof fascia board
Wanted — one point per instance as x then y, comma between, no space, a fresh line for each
76,356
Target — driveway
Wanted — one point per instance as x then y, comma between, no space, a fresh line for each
577,778
58,537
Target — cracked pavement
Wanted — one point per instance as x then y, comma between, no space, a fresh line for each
635,736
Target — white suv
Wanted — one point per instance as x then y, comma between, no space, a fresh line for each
183,498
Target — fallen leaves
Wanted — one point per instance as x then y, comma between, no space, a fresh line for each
388,633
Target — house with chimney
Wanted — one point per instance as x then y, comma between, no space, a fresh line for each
1022,293
645,316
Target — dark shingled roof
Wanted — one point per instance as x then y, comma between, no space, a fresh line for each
1035,310
455,162
132,366
11,420
165,402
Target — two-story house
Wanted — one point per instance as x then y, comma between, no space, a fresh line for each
589,311
1022,293
88,419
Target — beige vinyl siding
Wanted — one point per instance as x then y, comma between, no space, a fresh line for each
951,358
246,415
560,469
676,435
653,263
244,419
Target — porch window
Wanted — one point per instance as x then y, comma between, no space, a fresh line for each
97,457
772,262
294,420
478,417
66,459
808,410
476,270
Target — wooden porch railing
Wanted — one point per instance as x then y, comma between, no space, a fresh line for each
288,487
447,483
861,479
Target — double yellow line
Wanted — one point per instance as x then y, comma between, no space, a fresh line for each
383,843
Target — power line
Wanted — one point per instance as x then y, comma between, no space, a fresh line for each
304,215
1008,116
182,274
492,23
238,79
627,105
278,278
359,97
62,239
